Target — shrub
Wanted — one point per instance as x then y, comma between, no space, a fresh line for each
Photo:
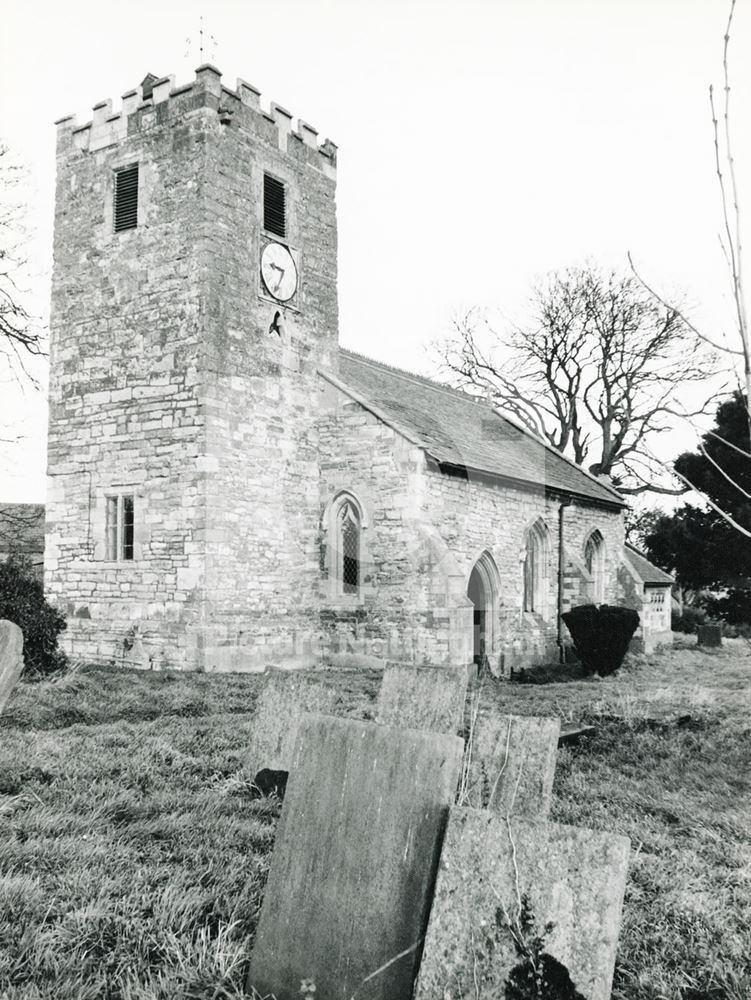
601,635
22,601
689,621
734,608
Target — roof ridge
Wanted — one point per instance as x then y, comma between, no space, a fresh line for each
639,552
493,407
442,386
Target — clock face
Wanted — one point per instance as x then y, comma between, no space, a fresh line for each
278,271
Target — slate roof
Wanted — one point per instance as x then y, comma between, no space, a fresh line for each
647,571
466,432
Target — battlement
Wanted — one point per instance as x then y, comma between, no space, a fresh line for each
155,99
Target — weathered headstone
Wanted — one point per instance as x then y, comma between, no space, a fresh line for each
284,700
354,862
428,698
500,883
509,763
11,659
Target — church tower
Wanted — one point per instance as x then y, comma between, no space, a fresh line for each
193,301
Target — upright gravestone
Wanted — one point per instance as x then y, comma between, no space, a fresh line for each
513,897
509,764
354,861
284,700
427,698
709,635
11,659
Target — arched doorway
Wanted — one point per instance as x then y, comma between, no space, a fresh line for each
482,591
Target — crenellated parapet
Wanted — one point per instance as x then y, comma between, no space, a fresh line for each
158,100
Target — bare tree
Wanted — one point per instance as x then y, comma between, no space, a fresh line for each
18,521
20,337
599,371
738,349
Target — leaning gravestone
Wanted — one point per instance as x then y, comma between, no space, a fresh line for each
284,700
509,764
354,862
428,698
11,659
501,884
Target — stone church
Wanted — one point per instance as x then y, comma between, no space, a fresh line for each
228,489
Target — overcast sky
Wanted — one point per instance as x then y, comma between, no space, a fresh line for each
481,144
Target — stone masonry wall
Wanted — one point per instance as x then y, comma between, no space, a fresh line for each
126,413
425,531
261,389
168,384
176,378
477,515
654,619
385,472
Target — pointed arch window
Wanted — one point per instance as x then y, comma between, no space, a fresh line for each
536,569
594,560
343,550
349,527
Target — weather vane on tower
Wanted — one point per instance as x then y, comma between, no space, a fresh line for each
206,45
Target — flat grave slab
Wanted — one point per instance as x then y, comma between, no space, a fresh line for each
427,698
351,878
11,659
509,764
284,700
500,882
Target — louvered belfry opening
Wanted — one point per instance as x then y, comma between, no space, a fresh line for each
274,206
126,198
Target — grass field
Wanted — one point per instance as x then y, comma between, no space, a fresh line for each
133,859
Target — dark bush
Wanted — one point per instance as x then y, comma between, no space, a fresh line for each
22,601
689,621
734,608
601,635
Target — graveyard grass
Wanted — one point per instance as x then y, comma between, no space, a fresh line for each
133,858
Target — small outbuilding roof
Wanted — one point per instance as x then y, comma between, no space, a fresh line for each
465,432
647,571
